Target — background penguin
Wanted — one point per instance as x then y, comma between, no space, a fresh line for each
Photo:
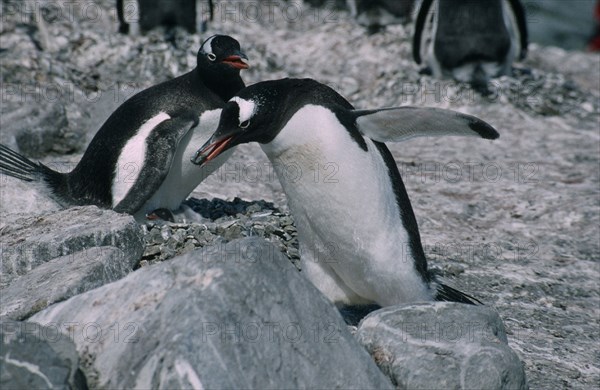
139,160
376,14
359,239
470,40
169,13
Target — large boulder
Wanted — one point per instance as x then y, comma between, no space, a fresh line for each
36,357
29,241
228,316
39,129
63,277
442,345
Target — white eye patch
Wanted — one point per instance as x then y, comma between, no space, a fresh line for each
247,108
207,47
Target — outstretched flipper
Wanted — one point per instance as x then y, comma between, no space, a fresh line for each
162,144
402,123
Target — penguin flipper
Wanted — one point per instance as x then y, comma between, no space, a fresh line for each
399,124
161,147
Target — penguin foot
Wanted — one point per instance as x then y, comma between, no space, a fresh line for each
483,89
426,71
352,314
515,71
373,29
124,28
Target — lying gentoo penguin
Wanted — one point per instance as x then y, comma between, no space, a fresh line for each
359,240
470,40
139,161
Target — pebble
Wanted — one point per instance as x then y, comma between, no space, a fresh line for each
228,220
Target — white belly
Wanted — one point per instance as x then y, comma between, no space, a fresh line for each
345,210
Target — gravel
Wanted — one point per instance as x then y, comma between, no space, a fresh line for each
225,221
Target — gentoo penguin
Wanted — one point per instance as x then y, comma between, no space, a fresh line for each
470,40
359,240
139,160
376,14
171,13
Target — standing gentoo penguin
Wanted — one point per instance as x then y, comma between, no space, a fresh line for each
359,240
376,14
470,40
139,161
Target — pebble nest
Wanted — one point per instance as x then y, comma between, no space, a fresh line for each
225,221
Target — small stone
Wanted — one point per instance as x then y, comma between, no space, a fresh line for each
254,208
289,229
151,251
293,253
286,221
165,233
587,106
232,232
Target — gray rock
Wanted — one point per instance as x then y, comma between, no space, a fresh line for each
227,316
62,278
29,242
41,129
37,357
442,345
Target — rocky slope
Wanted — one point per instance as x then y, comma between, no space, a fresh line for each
513,222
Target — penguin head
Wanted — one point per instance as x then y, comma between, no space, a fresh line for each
250,116
221,53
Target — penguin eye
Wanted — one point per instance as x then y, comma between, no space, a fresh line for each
211,56
245,124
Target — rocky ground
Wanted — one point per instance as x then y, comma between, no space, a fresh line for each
514,222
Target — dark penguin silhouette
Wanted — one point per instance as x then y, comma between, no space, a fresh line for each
470,40
139,160
173,13
358,235
376,14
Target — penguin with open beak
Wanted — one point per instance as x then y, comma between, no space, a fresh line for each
358,235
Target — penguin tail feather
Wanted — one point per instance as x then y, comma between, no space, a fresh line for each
16,165
448,294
